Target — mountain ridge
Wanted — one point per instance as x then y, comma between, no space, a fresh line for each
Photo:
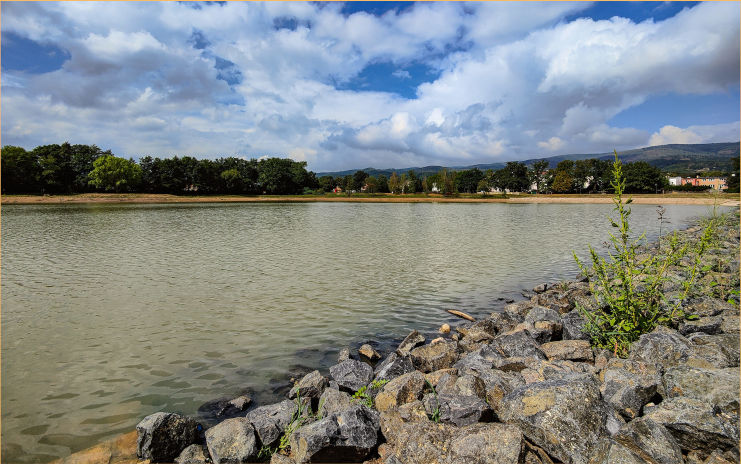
680,158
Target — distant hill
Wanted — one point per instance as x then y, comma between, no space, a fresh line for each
675,158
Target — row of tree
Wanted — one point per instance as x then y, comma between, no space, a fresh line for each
66,168
69,168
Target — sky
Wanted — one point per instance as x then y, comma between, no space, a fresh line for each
361,84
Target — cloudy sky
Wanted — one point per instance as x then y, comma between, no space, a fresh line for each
363,84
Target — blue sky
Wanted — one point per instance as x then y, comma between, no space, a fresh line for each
385,84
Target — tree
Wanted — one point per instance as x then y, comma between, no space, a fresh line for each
448,183
538,175
359,179
562,182
468,180
372,184
327,183
513,177
641,177
395,183
733,180
111,173
383,184
483,186
21,172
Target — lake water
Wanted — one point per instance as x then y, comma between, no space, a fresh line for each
112,312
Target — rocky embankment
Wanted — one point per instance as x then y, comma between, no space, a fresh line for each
521,386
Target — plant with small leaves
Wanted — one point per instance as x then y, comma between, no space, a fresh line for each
435,416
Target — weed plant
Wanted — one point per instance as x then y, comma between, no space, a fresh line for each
627,288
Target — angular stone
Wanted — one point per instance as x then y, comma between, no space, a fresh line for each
344,355
573,326
627,385
349,436
413,340
540,288
368,351
722,349
546,331
310,386
521,308
457,409
270,421
486,444
430,358
664,347
505,321
718,387
696,425
194,454
351,375
609,451
538,370
278,458
403,389
730,324
573,350
434,377
650,441
162,436
564,417
540,313
516,344
706,306
232,441
332,402
240,403
392,367
709,325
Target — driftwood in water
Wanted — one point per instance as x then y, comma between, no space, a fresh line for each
461,314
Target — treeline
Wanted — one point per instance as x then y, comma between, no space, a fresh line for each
65,168
582,176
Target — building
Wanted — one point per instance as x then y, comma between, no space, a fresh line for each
675,181
716,183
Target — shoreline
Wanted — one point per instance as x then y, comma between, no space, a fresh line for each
567,360
144,198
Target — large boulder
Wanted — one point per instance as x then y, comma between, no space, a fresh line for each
650,440
516,344
351,375
162,436
232,441
663,347
696,425
425,442
707,306
718,387
333,401
564,417
410,342
628,384
349,436
392,367
456,409
538,370
403,389
270,421
573,326
725,347
310,386
710,325
505,321
432,357
609,451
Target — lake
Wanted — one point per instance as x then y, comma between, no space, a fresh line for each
112,312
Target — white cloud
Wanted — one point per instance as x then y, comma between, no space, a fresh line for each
515,80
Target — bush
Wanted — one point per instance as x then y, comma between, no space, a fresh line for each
628,297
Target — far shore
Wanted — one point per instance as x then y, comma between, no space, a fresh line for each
650,199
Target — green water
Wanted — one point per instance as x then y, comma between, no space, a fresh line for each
112,312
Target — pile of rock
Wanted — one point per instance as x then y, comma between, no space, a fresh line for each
521,386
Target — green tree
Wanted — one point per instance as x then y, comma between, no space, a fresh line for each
538,175
641,177
467,181
562,182
21,172
327,183
448,183
111,173
372,184
359,179
395,183
383,184
733,180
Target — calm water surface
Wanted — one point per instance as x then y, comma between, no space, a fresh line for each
112,312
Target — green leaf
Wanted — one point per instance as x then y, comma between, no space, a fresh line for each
692,317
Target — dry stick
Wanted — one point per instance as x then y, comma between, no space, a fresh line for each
461,315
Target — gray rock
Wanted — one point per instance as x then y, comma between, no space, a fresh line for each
458,410
369,352
709,325
730,324
194,454
540,313
392,367
349,436
696,425
485,444
573,326
573,350
477,334
431,357
413,340
627,385
521,308
505,321
664,347
310,386
333,401
240,403
540,288
718,387
707,306
351,375
162,436
270,421
516,344
725,348
232,441
538,370
609,451
564,417
649,440
278,458
344,355
403,389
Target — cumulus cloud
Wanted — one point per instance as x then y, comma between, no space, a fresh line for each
513,81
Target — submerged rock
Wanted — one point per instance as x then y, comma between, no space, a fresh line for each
162,436
413,340
370,353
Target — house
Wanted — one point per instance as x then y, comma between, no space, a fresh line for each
716,183
675,181
337,189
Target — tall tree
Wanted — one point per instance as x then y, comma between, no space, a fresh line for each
21,172
113,174
538,175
